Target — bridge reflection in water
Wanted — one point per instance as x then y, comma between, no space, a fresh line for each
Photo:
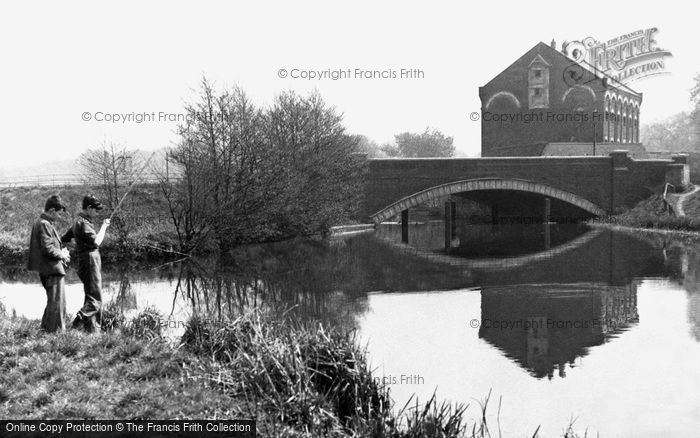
611,318
580,288
546,308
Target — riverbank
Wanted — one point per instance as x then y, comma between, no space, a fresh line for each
676,234
143,232
296,380
654,214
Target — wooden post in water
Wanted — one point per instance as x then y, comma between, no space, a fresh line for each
404,226
448,225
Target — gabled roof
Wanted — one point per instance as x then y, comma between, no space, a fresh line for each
539,47
601,75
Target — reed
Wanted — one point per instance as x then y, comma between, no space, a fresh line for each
308,378
296,379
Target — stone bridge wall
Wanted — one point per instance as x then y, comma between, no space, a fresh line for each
610,182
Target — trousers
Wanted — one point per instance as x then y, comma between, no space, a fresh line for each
54,317
89,268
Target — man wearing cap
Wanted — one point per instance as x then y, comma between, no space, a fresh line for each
47,256
89,263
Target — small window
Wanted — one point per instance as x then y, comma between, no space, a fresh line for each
538,84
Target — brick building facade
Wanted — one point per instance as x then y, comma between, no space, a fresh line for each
547,104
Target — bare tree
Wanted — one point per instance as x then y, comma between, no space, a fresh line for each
109,170
251,175
187,192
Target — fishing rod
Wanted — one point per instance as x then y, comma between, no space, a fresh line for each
133,184
166,250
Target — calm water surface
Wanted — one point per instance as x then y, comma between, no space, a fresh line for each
558,322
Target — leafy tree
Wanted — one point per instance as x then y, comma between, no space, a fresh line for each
675,134
695,114
429,143
369,147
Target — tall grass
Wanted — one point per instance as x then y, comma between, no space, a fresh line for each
295,379
308,380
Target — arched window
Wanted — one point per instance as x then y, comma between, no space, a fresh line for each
625,123
615,121
606,120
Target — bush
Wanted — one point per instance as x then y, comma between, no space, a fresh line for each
303,374
146,325
112,318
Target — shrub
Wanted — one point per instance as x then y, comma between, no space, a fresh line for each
145,325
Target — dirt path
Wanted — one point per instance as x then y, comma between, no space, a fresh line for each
687,203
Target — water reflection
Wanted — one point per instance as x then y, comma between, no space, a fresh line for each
305,280
575,307
547,308
546,327
484,240
682,261
125,296
585,277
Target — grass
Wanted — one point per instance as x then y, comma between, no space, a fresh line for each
110,375
692,205
297,380
20,207
652,213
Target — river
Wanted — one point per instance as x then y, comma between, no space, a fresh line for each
558,323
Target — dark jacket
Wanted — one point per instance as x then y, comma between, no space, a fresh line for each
45,248
84,234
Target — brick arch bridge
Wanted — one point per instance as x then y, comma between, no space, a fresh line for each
443,190
597,185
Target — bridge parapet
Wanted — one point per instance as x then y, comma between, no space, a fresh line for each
605,184
678,172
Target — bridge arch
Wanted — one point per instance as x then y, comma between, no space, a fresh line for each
484,184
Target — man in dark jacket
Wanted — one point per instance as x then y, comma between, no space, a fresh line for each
89,263
47,256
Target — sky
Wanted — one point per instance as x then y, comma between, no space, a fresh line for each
61,61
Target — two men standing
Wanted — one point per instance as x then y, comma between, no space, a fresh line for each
48,256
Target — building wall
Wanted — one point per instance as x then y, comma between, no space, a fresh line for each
562,103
